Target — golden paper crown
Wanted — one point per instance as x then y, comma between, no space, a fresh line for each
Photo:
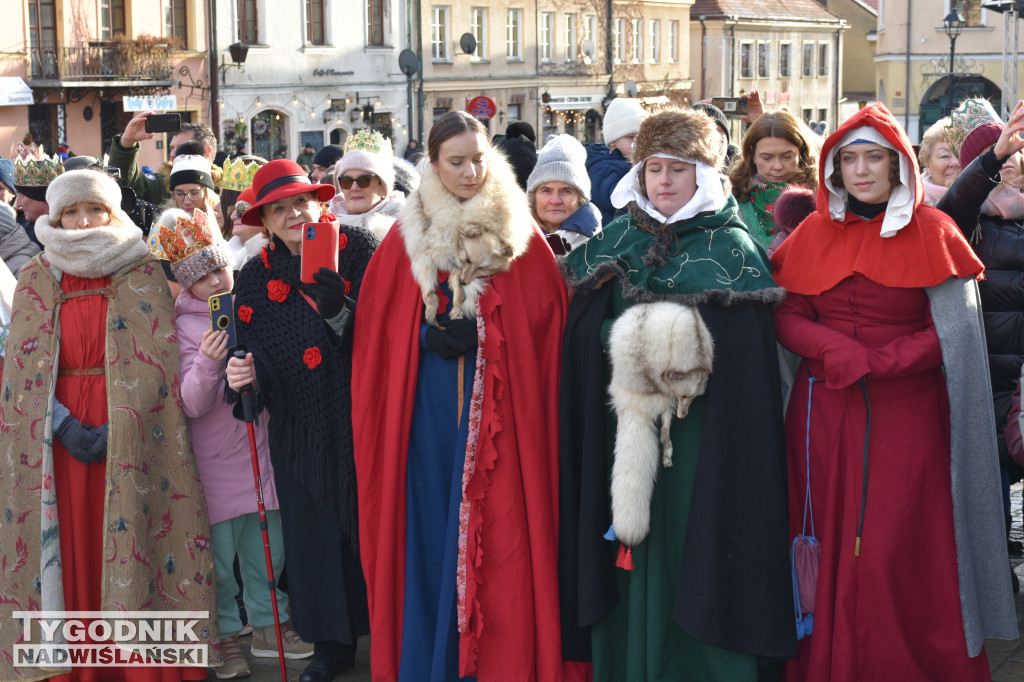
187,238
238,175
965,119
32,167
368,141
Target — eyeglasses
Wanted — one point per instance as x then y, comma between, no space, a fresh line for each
363,181
192,194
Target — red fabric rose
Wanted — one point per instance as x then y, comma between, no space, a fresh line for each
342,241
328,217
278,290
265,255
312,357
245,313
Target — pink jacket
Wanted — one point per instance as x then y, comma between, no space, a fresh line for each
220,442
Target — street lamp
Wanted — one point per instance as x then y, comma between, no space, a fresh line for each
952,25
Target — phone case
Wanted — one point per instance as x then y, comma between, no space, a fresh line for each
222,316
319,249
163,123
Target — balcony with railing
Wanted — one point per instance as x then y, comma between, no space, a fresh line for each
127,61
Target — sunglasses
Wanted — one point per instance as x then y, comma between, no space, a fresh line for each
363,181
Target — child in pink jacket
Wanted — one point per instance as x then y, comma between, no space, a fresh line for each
201,263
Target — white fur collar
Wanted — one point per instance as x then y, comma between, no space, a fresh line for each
436,227
94,252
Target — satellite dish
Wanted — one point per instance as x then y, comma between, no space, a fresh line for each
468,43
630,88
589,50
408,63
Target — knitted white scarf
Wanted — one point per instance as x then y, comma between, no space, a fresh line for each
93,252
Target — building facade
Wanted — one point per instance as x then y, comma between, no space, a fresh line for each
789,51
858,64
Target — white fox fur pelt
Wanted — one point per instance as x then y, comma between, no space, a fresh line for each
471,239
662,355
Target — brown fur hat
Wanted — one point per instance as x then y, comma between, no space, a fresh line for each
685,133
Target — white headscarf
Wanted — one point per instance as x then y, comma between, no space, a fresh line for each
901,201
710,195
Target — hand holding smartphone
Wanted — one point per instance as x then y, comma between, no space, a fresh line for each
163,123
222,316
319,249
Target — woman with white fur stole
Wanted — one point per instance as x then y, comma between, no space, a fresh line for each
891,414
104,509
454,392
673,302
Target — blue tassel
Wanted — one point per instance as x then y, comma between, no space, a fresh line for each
610,535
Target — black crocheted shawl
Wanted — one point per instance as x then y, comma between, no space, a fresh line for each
304,373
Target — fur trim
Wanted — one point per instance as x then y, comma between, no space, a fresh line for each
685,133
94,252
475,238
662,356
89,186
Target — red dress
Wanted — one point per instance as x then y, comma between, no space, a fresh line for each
892,613
81,488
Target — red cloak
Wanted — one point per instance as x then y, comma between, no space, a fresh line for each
511,580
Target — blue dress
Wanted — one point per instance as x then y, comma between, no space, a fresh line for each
437,457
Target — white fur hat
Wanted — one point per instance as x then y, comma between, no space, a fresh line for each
622,117
369,151
563,159
85,185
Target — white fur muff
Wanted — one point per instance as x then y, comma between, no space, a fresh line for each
662,355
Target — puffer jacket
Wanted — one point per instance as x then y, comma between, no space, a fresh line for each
605,167
15,246
999,244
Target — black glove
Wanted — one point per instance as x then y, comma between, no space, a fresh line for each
87,444
458,338
328,292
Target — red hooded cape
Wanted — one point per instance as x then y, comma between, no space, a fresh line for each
925,253
512,540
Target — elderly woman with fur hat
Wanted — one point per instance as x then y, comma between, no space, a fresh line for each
365,181
558,190
299,361
99,478
891,448
674,302
454,388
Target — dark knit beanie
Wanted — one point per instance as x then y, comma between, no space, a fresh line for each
517,128
522,156
328,156
716,115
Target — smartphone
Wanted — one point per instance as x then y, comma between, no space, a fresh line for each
222,316
319,249
163,123
732,106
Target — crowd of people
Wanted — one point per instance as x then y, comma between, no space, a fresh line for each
666,408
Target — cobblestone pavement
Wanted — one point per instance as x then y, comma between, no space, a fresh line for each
269,670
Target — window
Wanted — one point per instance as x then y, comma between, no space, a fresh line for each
638,40
174,20
42,23
111,18
655,41
592,32
822,115
439,34
315,22
822,59
807,113
784,60
673,41
762,59
971,11
248,31
569,37
746,63
478,27
515,112
374,23
546,28
807,68
620,52
439,112
514,34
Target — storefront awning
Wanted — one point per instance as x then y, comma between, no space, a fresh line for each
15,92
573,102
657,99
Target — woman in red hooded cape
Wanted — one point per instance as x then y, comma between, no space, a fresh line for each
889,415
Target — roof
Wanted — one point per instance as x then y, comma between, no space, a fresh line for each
779,10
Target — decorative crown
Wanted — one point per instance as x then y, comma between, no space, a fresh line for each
187,238
966,118
32,167
369,141
238,175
